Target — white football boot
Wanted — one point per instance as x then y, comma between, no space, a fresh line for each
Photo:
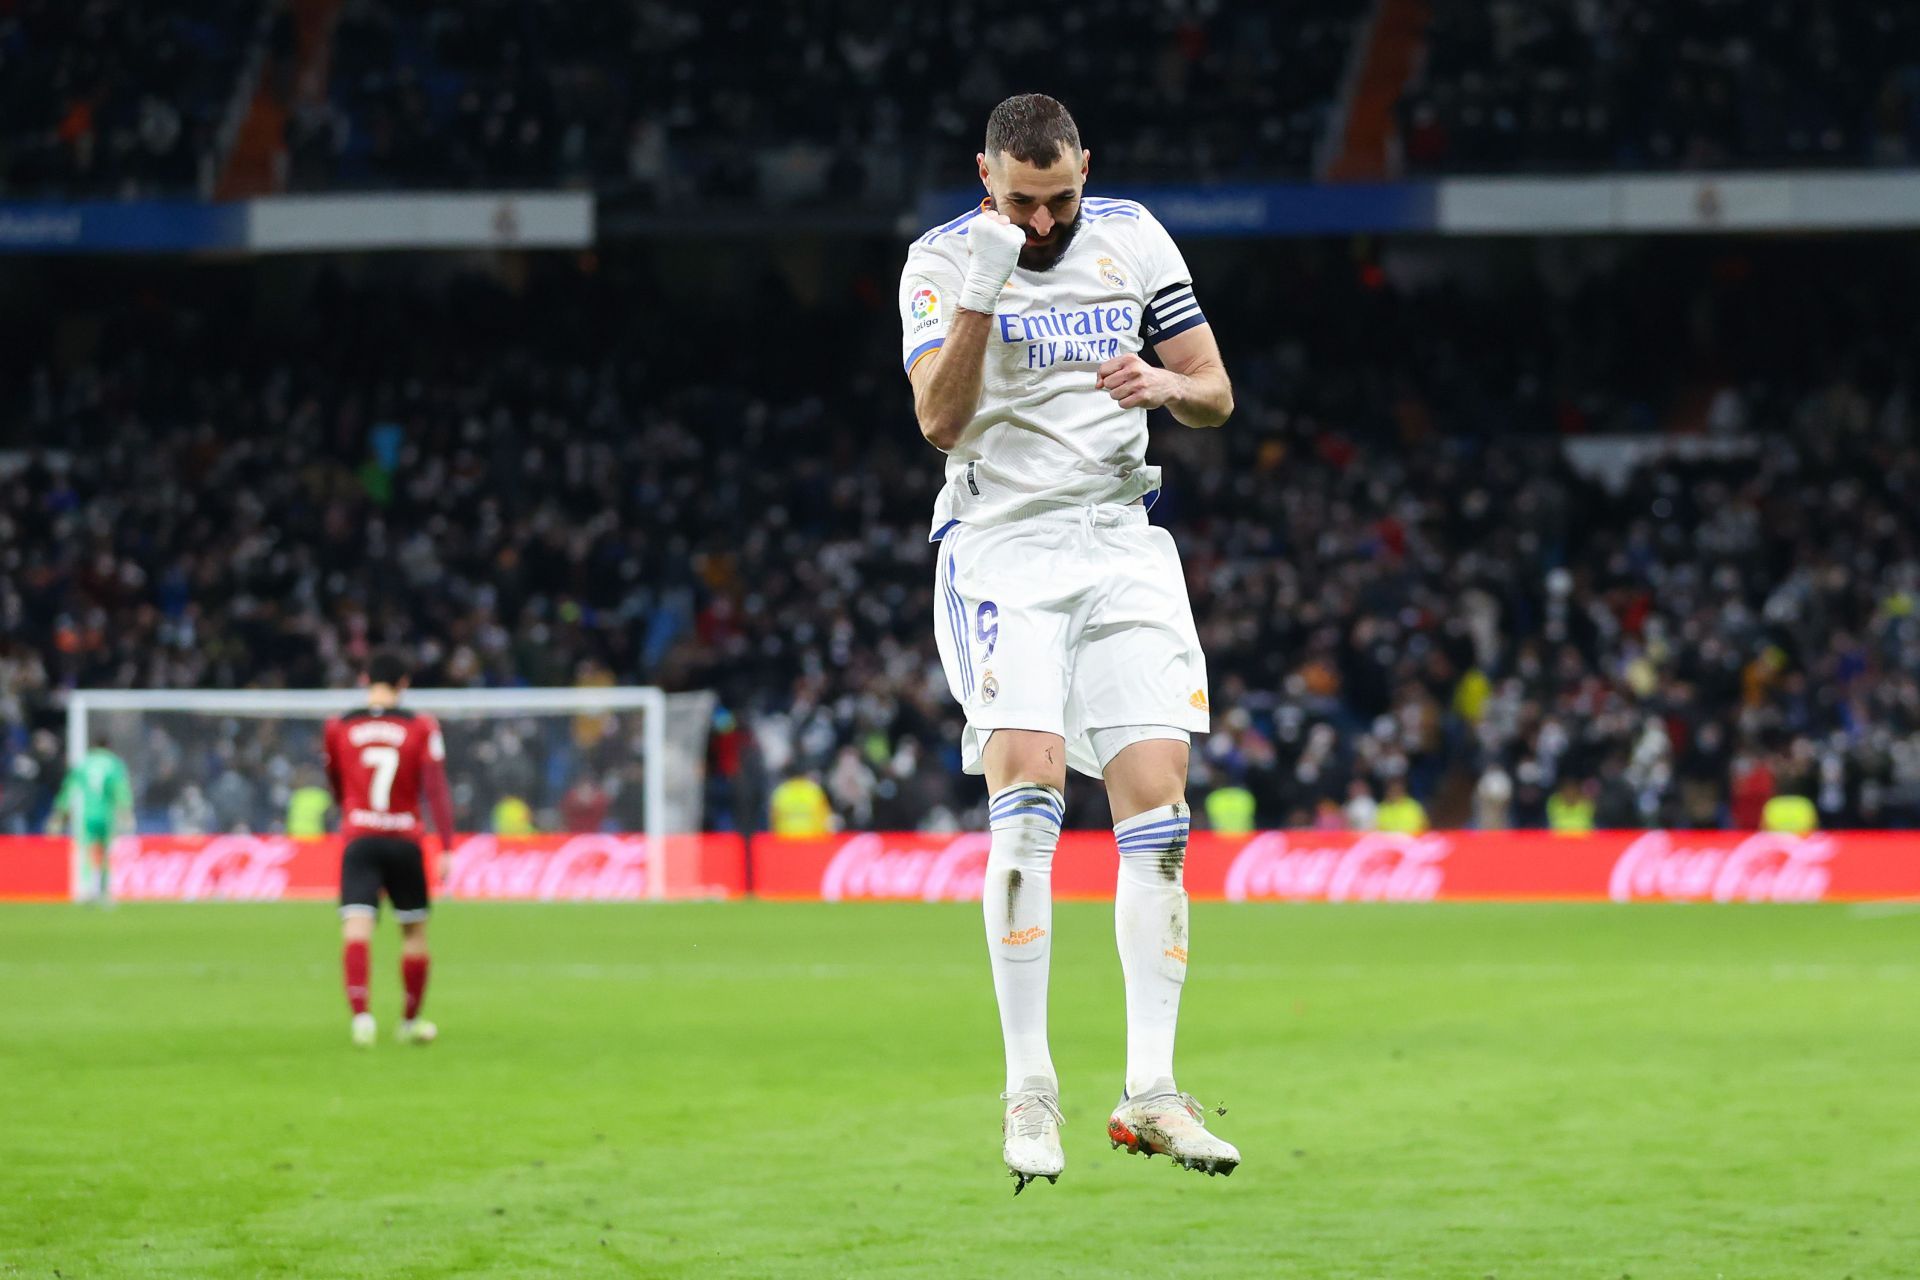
364,1030
416,1031
1164,1121
1031,1133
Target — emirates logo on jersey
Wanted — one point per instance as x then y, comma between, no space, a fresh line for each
1088,335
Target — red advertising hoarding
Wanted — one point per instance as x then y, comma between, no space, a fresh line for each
1312,866
1271,866
576,868
36,869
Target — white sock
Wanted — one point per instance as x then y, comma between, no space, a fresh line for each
1017,902
1150,924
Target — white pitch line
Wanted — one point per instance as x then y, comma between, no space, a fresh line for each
1883,910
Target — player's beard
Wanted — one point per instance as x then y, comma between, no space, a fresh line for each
1044,257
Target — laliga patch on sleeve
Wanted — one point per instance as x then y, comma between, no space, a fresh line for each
924,303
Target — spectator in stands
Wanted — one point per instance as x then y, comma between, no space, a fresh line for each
308,806
1399,812
1790,812
191,814
1329,816
1230,810
799,806
1493,799
1570,810
512,816
1362,810
1753,789
851,785
584,806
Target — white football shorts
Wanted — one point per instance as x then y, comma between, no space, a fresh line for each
1068,622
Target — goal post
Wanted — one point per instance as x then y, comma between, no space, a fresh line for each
227,761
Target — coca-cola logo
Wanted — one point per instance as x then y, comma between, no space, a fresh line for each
585,868
1768,867
1376,866
238,867
865,867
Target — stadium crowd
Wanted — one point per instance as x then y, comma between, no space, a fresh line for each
660,104
671,105
1652,84
1400,580
116,100
674,104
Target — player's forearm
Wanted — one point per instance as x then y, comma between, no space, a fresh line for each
440,800
1204,398
946,400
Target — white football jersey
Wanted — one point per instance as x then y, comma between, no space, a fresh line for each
1046,435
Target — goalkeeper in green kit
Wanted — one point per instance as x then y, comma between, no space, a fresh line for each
97,798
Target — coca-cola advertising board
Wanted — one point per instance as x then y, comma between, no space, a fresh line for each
573,868
1271,866
36,869
1441,866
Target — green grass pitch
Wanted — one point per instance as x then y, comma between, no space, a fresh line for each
810,1090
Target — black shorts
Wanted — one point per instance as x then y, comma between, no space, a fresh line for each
373,863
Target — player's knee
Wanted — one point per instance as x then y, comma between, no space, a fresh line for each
1019,756
1142,772
1145,795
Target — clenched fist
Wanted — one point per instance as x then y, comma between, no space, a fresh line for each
1136,384
995,244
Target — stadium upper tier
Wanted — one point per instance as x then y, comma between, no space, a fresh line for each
797,103
833,105
115,99
1664,84
1394,568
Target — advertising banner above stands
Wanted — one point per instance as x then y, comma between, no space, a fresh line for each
1632,204
303,224
1271,209
484,220
1614,204
1271,866
1695,203
146,226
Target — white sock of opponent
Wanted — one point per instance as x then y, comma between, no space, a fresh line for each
1018,904
1150,924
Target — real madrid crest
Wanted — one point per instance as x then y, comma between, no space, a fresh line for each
1111,274
989,688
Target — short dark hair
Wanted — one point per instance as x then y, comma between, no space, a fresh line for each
387,667
1032,127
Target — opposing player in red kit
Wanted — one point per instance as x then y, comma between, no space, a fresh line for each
382,760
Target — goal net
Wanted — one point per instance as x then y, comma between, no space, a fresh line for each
522,764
